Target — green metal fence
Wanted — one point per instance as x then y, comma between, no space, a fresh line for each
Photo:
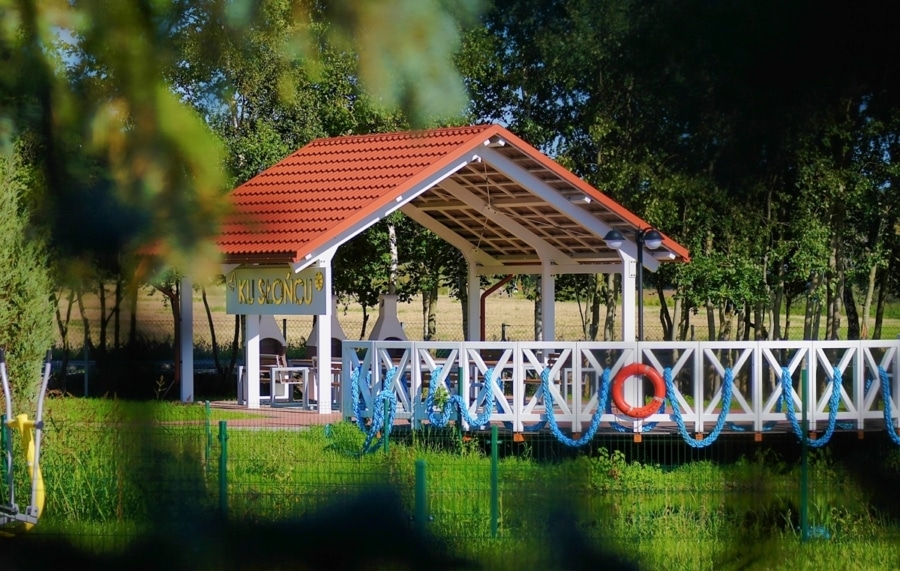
488,496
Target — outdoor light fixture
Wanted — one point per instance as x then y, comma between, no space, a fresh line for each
644,237
614,239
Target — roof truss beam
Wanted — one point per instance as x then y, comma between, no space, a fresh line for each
545,251
468,249
558,201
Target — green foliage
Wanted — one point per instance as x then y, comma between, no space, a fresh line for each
125,93
26,291
770,160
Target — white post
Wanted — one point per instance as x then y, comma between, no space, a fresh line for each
251,359
548,303
629,276
474,333
186,332
323,350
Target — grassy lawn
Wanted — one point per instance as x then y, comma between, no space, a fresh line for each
110,484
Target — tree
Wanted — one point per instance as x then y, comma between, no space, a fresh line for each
26,290
130,108
733,127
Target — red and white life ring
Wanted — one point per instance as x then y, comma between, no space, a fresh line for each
618,390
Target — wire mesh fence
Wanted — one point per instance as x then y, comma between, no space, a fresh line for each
489,495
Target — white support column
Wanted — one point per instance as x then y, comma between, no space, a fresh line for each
251,359
629,299
323,349
186,332
548,303
474,333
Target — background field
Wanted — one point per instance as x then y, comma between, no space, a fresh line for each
507,317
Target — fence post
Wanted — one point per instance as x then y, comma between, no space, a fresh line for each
208,439
421,496
804,460
223,468
495,484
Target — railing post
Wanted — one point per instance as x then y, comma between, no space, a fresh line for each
223,468
804,460
495,485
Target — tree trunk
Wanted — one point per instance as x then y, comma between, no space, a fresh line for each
777,302
63,325
711,320
464,304
132,318
104,320
212,335
665,318
787,319
727,319
811,306
173,294
88,341
882,298
867,303
852,315
365,322
678,333
176,319
235,343
596,299
429,309
116,311
610,299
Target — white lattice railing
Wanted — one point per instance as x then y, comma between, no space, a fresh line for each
576,372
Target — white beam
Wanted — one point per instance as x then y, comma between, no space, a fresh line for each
548,304
251,359
449,236
186,333
474,295
611,268
560,202
629,300
323,349
544,250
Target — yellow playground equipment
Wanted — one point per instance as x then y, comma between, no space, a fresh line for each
12,518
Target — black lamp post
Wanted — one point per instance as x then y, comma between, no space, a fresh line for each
653,240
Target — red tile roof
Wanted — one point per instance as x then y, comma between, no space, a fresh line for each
333,188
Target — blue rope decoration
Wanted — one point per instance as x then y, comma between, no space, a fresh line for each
727,388
378,418
833,403
886,397
595,419
357,401
442,418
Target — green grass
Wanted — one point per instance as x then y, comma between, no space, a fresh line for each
102,410
107,479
